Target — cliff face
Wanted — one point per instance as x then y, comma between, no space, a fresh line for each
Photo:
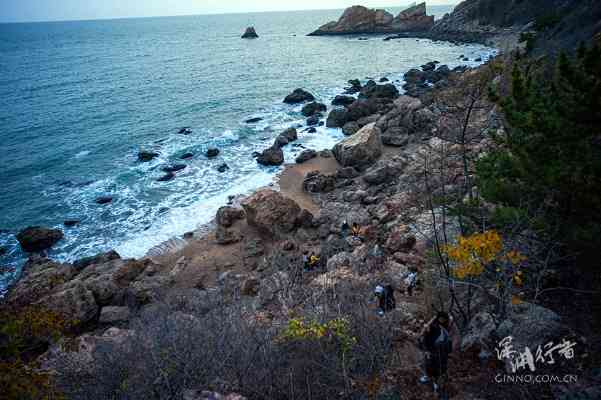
559,24
359,19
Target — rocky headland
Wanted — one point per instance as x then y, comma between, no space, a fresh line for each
363,20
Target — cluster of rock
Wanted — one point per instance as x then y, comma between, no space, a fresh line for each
362,20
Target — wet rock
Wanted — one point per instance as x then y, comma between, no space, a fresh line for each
223,167
342,100
337,118
361,149
388,91
325,153
186,156
350,128
253,120
311,130
35,238
212,152
305,156
288,136
146,155
313,108
174,168
313,120
104,200
431,66
298,96
354,88
250,33
271,212
271,156
315,182
226,216
186,130
384,80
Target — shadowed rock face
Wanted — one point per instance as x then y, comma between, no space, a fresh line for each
359,19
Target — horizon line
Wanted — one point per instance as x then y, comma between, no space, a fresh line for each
190,15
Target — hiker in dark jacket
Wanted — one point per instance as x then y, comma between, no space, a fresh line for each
385,295
437,343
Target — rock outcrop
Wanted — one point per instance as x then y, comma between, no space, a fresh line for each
250,33
36,239
362,20
361,149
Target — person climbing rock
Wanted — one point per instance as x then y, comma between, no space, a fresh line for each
356,230
386,300
410,281
345,229
436,341
313,262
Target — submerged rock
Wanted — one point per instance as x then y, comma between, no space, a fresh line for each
186,156
223,167
167,177
173,168
69,223
104,200
35,238
185,130
146,155
212,152
250,33
253,120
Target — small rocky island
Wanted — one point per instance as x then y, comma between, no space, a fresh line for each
363,20
250,33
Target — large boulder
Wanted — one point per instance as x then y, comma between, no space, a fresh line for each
271,156
35,238
298,96
361,149
271,212
250,33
